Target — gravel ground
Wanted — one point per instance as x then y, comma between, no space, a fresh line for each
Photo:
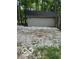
34,37
38,36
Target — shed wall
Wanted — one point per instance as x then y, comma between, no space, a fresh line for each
41,22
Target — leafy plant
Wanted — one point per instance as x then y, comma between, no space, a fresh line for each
48,53
39,5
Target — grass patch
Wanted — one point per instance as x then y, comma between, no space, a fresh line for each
47,53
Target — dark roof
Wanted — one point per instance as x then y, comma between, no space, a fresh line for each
40,14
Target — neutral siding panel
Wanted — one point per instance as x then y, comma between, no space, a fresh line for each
41,22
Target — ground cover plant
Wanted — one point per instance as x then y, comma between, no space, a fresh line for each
39,52
48,53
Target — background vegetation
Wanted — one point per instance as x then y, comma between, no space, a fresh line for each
38,5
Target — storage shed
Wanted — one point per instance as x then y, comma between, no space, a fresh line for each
40,19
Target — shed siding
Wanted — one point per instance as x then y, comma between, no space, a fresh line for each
41,22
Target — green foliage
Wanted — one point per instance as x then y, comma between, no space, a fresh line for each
39,5
48,53
46,5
